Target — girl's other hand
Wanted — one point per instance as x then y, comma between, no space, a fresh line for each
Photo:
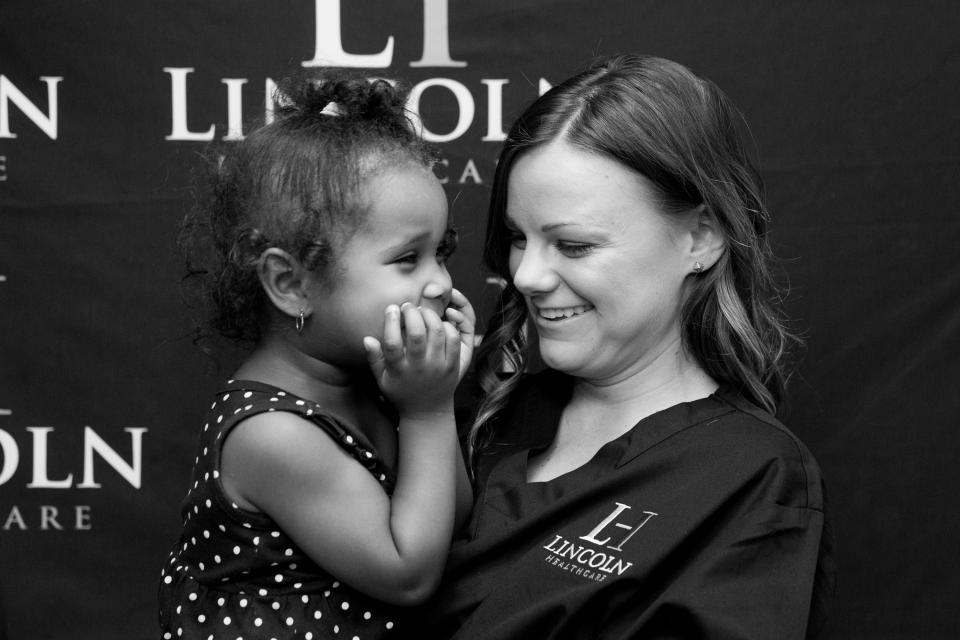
461,315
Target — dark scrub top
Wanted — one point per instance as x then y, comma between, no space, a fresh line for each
706,520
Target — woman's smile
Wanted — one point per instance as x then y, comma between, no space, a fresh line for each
558,314
614,302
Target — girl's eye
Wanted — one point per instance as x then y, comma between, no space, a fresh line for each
574,249
407,259
447,246
518,240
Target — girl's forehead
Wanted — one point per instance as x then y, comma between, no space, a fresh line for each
403,197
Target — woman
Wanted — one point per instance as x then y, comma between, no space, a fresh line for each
639,486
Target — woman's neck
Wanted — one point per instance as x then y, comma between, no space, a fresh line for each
669,377
602,410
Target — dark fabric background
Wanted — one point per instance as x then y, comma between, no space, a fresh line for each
853,108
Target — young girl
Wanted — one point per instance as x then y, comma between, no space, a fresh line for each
328,479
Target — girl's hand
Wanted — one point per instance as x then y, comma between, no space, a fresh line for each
461,315
417,364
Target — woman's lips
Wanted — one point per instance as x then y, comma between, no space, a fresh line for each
557,314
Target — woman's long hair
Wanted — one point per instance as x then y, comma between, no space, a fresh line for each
686,137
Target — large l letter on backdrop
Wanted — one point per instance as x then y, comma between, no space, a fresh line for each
328,50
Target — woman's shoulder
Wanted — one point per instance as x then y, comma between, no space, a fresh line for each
767,433
532,389
544,384
750,443
538,399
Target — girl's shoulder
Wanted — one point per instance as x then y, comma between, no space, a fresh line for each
276,412
276,432
270,446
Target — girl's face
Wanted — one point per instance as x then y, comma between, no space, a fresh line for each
602,269
398,254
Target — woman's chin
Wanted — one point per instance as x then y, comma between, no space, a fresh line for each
565,359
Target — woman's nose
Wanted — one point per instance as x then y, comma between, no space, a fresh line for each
533,273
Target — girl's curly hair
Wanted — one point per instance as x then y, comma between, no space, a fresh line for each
292,183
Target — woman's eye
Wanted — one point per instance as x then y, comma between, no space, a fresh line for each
518,240
574,249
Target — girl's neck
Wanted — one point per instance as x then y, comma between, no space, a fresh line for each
350,395
276,362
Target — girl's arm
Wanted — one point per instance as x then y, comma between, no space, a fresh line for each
392,548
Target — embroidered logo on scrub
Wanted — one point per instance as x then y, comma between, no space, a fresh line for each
599,555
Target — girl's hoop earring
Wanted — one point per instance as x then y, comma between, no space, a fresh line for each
697,267
299,322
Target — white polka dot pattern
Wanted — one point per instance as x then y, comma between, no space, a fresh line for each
234,574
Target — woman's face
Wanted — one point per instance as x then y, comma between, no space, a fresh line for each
602,269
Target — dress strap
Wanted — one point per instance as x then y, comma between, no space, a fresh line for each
266,397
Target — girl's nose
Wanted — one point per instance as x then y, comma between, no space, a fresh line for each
438,288
533,274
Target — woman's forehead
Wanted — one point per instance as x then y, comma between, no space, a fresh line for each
559,185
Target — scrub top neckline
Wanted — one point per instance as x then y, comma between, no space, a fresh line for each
510,473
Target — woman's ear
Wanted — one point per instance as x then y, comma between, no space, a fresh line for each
708,241
282,278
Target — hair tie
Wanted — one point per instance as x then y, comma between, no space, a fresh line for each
332,109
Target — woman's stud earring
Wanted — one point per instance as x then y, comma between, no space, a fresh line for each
697,267
299,322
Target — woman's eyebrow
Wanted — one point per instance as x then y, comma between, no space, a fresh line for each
558,225
510,223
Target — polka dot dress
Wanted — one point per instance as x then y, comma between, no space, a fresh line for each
234,574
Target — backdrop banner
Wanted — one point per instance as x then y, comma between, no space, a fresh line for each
106,107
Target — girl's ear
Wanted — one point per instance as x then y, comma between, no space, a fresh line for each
282,278
707,243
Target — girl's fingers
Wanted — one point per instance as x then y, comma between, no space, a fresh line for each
459,302
415,331
451,344
392,348
463,323
435,333
457,299
374,355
